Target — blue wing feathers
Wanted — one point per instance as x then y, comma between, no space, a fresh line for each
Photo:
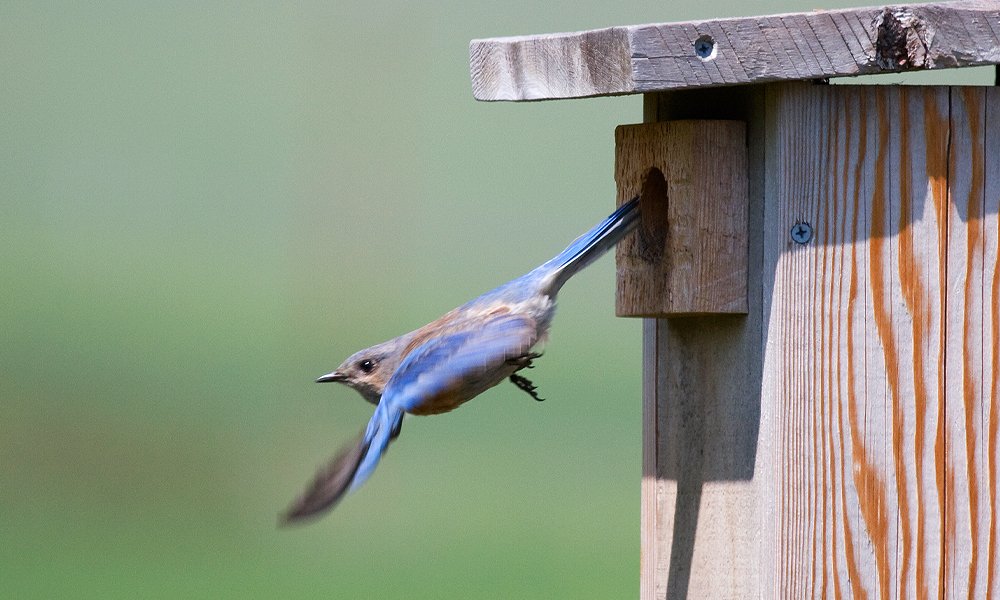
441,362
383,424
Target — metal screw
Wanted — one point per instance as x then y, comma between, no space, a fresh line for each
801,232
704,47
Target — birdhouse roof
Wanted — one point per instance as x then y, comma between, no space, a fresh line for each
671,56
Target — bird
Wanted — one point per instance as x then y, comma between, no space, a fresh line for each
449,361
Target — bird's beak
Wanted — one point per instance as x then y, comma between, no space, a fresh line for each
334,376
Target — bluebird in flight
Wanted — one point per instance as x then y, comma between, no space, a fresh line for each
454,359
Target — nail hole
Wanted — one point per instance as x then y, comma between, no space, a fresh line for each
704,47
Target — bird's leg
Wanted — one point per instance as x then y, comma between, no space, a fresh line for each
524,361
523,383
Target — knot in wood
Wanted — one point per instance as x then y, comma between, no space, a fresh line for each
901,41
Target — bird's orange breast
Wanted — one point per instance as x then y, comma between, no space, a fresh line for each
443,402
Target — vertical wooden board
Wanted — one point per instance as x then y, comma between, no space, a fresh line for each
991,342
971,417
911,327
700,492
655,493
853,370
809,137
876,465
701,410
965,544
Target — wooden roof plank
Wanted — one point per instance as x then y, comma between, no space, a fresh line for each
809,45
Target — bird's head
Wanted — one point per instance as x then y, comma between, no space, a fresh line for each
368,371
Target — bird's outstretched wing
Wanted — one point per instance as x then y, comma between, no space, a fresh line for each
329,484
347,470
443,370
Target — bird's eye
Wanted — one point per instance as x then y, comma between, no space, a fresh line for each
366,366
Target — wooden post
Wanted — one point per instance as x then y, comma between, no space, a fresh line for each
701,403
841,438
689,259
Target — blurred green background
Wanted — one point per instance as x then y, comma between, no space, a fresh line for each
204,207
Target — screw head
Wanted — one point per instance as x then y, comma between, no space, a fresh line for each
801,232
704,48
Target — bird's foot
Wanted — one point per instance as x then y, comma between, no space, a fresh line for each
524,384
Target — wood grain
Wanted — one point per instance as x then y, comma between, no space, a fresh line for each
991,345
991,332
880,367
808,45
856,314
690,254
876,359
971,413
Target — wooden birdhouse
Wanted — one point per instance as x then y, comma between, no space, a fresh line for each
817,273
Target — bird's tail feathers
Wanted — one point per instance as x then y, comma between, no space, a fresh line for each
351,466
592,245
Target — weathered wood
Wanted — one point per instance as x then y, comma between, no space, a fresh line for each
666,56
877,327
856,374
986,458
874,382
690,254
971,412
701,500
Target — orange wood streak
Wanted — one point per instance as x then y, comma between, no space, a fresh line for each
870,487
969,382
831,385
935,142
994,401
936,134
883,324
950,516
992,141
874,363
818,372
910,279
992,197
857,447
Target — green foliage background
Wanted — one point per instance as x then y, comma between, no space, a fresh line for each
204,206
